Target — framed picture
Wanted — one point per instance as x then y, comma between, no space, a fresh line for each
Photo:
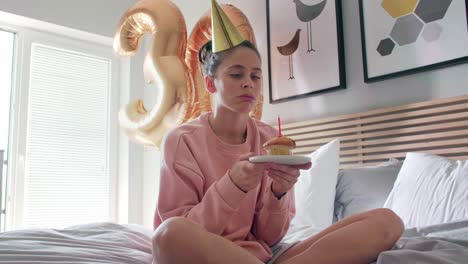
305,48
401,37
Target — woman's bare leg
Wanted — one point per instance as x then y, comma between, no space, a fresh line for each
356,239
178,240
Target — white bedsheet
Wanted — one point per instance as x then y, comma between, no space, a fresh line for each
92,243
298,233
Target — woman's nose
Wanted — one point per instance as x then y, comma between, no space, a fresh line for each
248,83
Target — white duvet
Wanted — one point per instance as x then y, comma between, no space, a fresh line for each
131,244
92,243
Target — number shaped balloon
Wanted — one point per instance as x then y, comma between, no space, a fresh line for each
171,63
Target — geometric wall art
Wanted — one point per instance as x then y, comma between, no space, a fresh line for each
401,37
305,48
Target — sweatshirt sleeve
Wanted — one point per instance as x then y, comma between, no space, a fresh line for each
273,215
182,191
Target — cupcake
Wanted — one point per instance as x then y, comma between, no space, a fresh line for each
279,146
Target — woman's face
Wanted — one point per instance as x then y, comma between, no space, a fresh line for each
238,80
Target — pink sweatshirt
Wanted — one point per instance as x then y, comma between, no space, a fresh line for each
195,184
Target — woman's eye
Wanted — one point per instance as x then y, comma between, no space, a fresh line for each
236,75
256,77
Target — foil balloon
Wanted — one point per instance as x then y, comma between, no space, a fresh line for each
201,33
171,63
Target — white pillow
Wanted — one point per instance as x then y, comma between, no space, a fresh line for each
316,187
430,190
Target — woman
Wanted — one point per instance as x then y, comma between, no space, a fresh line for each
217,207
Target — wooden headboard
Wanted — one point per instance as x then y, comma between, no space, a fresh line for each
367,138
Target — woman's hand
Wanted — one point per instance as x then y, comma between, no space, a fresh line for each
247,175
284,177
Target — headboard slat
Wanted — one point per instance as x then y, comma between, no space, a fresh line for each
384,149
401,131
387,140
384,118
423,145
394,139
367,164
446,152
408,107
384,125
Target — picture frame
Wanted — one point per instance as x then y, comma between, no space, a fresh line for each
403,37
305,48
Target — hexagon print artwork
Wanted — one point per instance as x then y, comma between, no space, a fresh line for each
401,37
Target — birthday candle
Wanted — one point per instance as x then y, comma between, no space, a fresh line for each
279,127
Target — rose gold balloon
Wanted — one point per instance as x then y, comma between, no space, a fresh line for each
164,65
171,65
201,34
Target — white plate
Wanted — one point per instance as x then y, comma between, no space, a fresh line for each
281,159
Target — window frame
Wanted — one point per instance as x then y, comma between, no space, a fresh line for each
30,31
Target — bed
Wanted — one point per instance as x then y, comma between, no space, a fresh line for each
90,243
389,157
410,158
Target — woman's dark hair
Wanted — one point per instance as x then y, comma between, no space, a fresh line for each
210,61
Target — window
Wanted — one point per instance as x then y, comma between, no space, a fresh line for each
64,131
67,173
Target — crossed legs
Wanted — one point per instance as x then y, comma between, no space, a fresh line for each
357,239
178,240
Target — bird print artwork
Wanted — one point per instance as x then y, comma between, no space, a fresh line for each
289,49
307,13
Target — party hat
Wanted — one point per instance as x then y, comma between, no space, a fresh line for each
224,34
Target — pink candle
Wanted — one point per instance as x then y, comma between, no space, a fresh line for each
279,127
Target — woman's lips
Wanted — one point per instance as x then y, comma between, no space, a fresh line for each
246,97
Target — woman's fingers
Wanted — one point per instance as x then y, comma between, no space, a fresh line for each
285,169
283,177
246,156
305,166
280,180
